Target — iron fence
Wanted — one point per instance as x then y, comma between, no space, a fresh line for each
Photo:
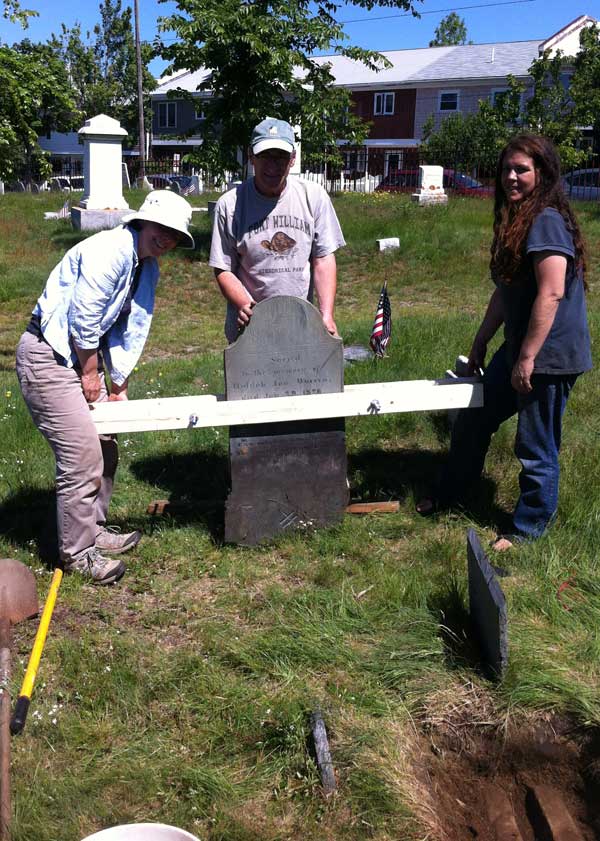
397,171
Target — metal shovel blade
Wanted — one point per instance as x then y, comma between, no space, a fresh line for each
20,593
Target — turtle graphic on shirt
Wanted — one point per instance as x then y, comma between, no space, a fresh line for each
280,243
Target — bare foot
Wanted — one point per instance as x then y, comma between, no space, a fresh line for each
426,506
502,544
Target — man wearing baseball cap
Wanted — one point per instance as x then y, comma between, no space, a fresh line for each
274,235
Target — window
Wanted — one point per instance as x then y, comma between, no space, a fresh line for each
448,101
497,96
167,114
384,104
355,163
199,111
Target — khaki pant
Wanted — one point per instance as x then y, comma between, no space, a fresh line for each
85,462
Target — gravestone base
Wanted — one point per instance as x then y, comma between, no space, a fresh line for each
285,476
433,198
96,220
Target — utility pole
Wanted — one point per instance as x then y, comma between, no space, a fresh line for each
140,88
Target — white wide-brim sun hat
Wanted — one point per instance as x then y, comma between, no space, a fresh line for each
165,208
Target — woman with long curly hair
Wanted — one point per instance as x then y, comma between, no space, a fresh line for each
537,266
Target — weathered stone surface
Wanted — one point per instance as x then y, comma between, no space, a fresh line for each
357,353
500,814
387,242
430,198
431,186
96,220
284,475
550,816
487,606
285,351
322,752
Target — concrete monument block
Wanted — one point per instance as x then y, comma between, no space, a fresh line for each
102,204
291,474
431,186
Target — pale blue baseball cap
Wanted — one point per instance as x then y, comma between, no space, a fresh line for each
272,134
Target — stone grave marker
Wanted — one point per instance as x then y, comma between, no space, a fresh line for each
431,186
487,607
290,474
102,204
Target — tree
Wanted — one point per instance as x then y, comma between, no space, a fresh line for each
13,12
35,98
474,140
451,31
261,57
585,82
549,110
104,73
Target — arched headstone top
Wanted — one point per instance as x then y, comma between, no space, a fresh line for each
285,351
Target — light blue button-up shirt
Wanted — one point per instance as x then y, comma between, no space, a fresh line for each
85,294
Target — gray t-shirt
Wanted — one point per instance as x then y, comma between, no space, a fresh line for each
566,349
268,243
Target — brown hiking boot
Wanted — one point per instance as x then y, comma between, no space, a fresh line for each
112,542
91,564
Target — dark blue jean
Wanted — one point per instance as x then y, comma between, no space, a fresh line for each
537,442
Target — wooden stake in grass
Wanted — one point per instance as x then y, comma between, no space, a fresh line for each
322,752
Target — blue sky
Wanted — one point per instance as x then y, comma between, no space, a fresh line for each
381,29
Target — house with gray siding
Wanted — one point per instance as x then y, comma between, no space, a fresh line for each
176,120
396,101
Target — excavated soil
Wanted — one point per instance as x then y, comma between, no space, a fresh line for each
460,769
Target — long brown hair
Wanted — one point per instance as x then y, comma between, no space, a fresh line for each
513,221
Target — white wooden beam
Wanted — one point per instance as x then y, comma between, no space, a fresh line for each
213,410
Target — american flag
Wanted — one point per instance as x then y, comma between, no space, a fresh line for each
382,326
65,211
187,191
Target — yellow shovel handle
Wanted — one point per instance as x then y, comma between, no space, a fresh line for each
22,706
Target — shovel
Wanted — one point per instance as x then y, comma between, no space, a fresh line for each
18,600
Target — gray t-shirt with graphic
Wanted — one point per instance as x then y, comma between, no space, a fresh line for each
268,243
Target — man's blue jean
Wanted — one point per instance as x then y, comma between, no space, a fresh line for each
537,442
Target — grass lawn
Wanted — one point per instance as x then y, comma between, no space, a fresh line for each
183,694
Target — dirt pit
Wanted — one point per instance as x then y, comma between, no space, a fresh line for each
465,772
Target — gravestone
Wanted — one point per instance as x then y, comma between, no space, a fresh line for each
385,243
487,607
102,204
431,186
291,474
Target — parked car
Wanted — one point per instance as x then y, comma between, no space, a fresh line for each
458,182
177,183
582,184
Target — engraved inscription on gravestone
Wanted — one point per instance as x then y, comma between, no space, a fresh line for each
284,475
286,352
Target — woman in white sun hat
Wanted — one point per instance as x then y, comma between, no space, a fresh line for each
94,313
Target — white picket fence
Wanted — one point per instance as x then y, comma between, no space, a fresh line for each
366,184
